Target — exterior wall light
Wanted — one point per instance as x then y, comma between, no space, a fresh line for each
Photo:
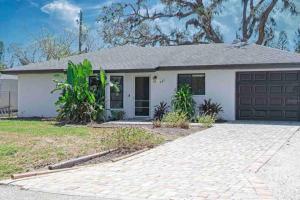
154,78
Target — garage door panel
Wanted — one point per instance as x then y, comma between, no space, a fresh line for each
291,101
244,76
276,89
291,76
291,114
269,95
260,76
260,101
260,89
246,114
260,113
291,89
245,101
276,76
245,89
276,114
276,101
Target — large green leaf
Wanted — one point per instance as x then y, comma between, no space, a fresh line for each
77,103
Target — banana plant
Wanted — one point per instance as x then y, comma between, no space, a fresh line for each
77,103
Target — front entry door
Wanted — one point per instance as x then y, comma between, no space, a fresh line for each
142,100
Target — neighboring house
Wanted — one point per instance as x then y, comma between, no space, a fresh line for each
249,81
8,91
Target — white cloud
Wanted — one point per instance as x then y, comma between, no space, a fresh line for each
63,10
33,3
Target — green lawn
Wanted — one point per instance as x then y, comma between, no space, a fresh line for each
27,145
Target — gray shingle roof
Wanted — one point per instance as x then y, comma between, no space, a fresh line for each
128,58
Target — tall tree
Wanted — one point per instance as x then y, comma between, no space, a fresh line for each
136,23
2,66
297,41
257,18
53,46
45,46
139,23
20,55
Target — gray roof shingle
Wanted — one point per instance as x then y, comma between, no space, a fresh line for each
128,58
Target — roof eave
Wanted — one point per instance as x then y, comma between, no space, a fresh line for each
168,68
231,66
16,72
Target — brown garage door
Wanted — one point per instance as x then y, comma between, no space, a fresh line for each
272,95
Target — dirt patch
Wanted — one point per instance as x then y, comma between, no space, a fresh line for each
173,133
168,133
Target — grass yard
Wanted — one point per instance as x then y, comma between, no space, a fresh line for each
26,145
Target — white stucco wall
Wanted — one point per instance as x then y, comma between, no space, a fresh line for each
35,98
219,86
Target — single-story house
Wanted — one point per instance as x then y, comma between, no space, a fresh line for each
8,91
249,81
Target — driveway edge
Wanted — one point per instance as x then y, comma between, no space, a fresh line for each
262,190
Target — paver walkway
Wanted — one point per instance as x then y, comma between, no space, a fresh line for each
282,172
219,162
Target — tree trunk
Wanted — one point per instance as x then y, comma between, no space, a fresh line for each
263,21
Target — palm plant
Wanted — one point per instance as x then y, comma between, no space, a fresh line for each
183,101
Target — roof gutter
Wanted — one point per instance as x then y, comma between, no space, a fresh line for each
230,67
64,70
15,72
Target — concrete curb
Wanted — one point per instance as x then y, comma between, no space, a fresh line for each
79,160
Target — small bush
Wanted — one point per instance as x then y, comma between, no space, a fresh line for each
117,114
176,119
183,101
160,110
210,108
156,123
207,120
132,139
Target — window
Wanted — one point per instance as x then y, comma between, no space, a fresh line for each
94,83
116,96
195,81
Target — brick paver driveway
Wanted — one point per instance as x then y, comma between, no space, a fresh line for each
220,162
